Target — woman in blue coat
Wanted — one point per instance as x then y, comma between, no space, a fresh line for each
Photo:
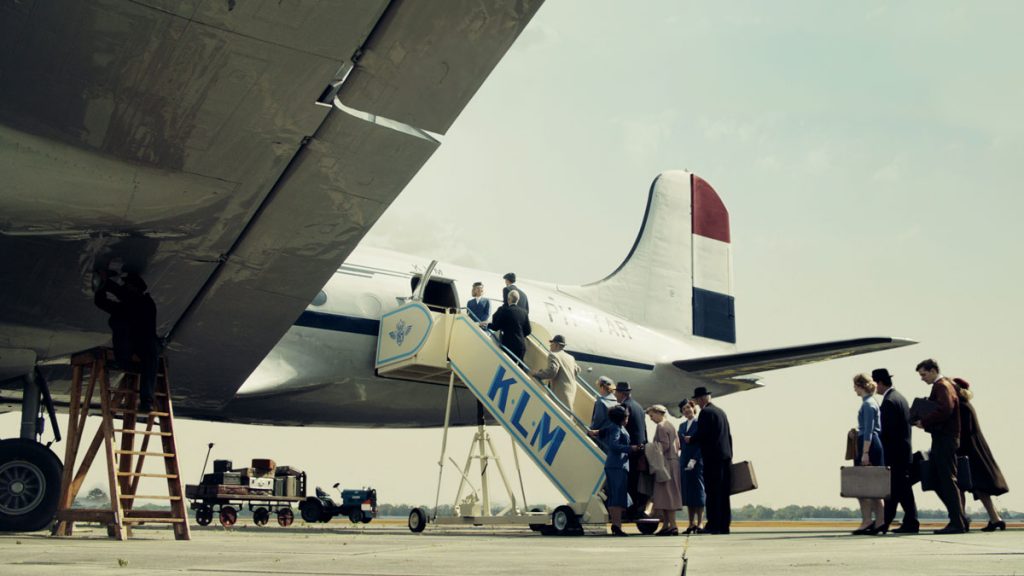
616,465
869,452
691,467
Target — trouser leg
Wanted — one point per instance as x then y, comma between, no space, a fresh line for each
725,505
149,354
943,459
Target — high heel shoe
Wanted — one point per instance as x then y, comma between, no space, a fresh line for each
993,526
883,529
690,529
866,531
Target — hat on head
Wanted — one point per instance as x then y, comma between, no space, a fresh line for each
558,339
700,391
622,387
881,374
656,408
962,383
605,381
511,277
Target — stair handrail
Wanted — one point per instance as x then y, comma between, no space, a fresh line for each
526,370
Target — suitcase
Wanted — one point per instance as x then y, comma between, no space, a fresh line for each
227,478
743,477
263,464
286,486
922,407
222,466
864,481
923,467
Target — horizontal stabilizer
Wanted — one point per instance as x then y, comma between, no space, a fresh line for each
732,365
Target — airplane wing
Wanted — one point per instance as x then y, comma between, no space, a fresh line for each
733,365
197,143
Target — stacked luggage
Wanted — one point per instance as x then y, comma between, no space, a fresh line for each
263,478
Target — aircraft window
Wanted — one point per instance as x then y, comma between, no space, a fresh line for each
320,299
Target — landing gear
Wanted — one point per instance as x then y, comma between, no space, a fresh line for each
30,476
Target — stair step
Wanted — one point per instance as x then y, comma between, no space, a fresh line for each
139,453
146,432
147,475
136,412
154,520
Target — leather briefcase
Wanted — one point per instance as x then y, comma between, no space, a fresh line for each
964,479
743,477
864,481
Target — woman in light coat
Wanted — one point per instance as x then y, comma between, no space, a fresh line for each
667,498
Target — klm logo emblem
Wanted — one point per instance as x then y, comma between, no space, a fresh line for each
542,435
400,332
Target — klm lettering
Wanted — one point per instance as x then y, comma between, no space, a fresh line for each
546,437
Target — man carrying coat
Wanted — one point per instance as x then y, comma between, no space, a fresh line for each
896,447
561,372
943,424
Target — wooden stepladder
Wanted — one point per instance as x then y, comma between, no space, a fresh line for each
124,461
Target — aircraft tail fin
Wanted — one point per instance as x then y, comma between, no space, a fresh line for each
678,275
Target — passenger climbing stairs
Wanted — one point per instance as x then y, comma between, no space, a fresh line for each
128,440
419,343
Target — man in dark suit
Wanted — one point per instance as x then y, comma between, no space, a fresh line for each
636,426
514,324
715,441
943,424
896,447
510,285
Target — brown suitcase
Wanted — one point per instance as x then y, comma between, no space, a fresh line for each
864,481
263,464
743,478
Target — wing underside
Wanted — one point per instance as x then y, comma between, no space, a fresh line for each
197,143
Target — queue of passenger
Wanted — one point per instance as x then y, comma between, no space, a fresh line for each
692,465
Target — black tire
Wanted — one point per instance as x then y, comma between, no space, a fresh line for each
204,515
260,516
647,527
417,520
312,510
228,516
355,516
564,521
366,519
30,476
285,517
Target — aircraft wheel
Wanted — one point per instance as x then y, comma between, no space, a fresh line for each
260,516
417,520
564,521
30,476
204,515
228,516
355,516
285,517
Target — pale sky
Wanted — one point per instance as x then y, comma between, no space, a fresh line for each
868,153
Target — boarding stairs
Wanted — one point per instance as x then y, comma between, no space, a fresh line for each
124,458
418,342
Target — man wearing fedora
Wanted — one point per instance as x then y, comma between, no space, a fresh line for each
715,441
637,429
561,372
896,446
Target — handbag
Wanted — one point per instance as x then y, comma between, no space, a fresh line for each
656,461
851,444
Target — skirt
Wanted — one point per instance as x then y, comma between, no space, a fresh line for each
616,482
875,452
693,484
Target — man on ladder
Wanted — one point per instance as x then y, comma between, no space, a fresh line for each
133,323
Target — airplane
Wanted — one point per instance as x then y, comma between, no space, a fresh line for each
234,155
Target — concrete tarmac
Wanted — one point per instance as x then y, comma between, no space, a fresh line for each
387,548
